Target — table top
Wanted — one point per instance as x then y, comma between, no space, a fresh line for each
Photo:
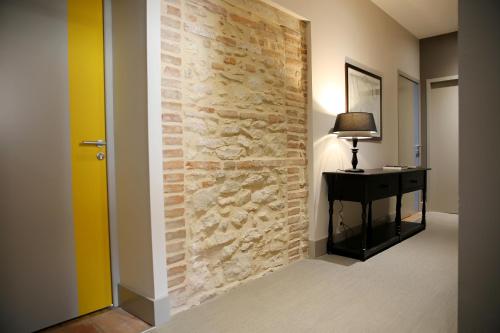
372,172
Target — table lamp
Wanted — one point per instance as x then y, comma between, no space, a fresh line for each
355,126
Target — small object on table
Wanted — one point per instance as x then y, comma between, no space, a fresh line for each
355,126
396,167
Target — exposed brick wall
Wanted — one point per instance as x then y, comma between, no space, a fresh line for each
234,138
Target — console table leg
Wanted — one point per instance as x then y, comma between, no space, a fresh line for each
329,243
398,214
424,199
370,221
363,227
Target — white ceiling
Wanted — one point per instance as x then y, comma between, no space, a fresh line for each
423,18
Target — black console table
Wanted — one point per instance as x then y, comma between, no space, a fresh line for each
364,188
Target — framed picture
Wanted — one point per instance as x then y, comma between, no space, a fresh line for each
364,94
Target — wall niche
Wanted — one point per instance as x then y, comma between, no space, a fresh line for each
234,141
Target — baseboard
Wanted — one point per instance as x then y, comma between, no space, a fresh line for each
318,248
153,311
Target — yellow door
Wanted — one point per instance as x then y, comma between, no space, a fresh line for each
87,125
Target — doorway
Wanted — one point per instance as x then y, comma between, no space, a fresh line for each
54,235
442,138
409,148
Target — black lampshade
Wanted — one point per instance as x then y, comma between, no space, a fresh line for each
354,124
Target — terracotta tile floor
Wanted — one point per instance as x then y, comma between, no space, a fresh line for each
112,320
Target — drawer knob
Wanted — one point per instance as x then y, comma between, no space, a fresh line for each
383,186
413,181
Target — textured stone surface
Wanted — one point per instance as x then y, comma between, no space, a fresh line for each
234,137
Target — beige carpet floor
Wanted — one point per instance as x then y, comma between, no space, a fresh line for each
411,287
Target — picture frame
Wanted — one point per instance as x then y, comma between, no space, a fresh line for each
364,94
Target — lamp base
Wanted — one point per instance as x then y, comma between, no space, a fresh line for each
354,170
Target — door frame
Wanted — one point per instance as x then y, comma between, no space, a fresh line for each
400,74
417,82
110,148
428,84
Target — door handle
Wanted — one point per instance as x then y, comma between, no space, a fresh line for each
97,143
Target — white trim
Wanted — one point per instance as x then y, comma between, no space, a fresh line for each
428,84
155,152
410,78
110,149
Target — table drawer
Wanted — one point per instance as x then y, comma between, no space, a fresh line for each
382,186
412,181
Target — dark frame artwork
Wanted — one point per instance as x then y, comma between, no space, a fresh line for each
370,79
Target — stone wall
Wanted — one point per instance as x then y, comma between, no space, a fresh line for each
234,137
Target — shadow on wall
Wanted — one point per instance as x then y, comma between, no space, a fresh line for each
332,154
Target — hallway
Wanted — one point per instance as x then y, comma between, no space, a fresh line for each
411,287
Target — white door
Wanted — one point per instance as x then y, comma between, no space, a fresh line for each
443,146
409,135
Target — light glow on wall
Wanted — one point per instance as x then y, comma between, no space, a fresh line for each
331,98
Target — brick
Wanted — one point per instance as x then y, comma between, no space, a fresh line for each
173,188
174,11
173,153
226,41
297,162
171,23
202,165
170,47
176,270
175,247
294,244
212,7
178,234
293,219
230,61
219,67
298,227
172,129
273,119
175,258
199,30
171,60
171,83
172,141
171,94
228,114
173,178
171,117
206,109
296,195
294,187
172,165
250,68
174,200
174,212
171,106
171,36
244,21
172,72
173,282
175,224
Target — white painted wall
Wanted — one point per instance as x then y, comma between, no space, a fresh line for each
359,30
138,154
